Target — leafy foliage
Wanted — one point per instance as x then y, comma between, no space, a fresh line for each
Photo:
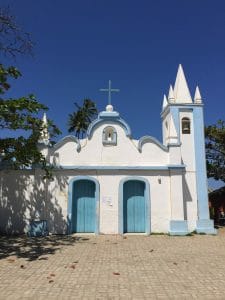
21,114
13,40
82,117
215,150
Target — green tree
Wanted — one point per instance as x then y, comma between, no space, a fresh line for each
21,151
82,117
215,150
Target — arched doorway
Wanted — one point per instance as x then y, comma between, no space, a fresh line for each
83,205
134,206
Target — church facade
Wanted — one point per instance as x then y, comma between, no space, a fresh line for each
110,183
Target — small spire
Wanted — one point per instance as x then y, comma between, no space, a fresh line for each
44,119
198,97
44,137
171,97
165,102
181,90
172,136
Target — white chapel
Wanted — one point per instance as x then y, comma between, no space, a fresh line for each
110,183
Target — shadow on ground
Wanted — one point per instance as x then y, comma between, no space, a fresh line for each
34,248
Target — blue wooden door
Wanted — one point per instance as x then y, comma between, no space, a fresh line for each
134,206
84,206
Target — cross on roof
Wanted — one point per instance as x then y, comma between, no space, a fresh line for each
109,90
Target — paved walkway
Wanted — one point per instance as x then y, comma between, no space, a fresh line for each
113,267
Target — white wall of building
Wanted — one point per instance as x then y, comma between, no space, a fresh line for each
126,152
32,198
26,196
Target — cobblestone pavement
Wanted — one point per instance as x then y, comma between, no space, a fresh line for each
113,267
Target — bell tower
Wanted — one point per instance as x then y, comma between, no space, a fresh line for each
186,115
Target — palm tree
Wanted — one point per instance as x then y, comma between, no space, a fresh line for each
82,117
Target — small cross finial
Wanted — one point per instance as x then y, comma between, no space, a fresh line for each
109,90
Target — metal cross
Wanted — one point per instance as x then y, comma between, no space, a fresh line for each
109,90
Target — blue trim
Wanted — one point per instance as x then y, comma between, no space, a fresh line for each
149,139
108,114
147,203
206,226
181,107
70,202
63,141
109,118
175,167
201,177
141,168
174,145
148,168
186,109
189,105
178,227
38,228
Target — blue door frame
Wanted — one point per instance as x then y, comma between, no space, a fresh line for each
134,206
70,218
147,203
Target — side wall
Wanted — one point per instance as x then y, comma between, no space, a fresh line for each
25,196
189,179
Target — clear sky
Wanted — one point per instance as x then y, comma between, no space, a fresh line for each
82,44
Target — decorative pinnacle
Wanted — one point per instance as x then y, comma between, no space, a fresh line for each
44,137
181,90
198,97
165,102
171,97
172,136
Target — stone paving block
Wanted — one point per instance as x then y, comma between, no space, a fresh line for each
111,267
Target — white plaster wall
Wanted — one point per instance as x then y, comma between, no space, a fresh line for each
187,143
25,196
36,199
109,204
14,201
66,155
109,200
165,129
189,182
93,152
176,196
175,155
160,202
190,199
153,155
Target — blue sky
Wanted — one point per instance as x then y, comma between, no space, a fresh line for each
82,44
